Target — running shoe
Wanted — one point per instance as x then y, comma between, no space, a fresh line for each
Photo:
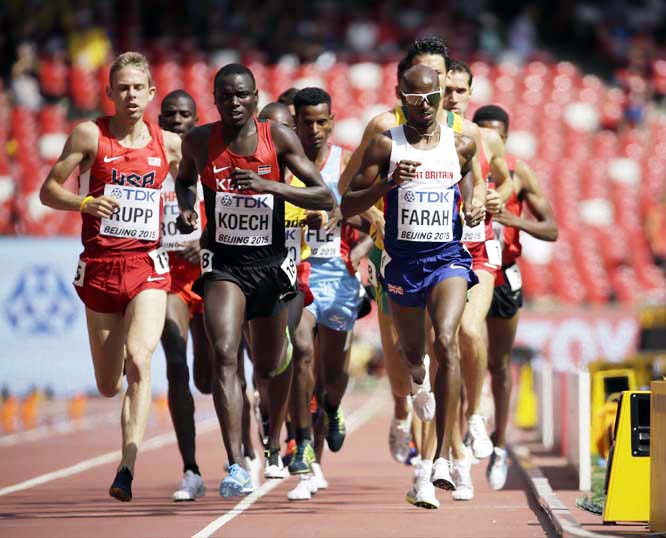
254,465
423,402
482,446
236,483
274,469
335,436
461,472
422,493
441,475
304,490
400,435
318,477
467,441
191,488
121,488
498,467
303,458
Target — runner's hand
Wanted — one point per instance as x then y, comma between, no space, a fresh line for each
247,180
493,201
506,218
334,218
186,222
192,252
405,171
103,206
375,218
473,215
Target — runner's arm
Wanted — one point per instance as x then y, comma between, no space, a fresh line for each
473,212
172,143
186,177
79,150
315,195
544,227
498,166
472,130
365,190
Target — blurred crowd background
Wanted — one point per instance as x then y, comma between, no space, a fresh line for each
584,83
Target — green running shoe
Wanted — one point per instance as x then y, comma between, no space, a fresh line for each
303,458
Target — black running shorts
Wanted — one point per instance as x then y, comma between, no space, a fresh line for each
505,302
267,287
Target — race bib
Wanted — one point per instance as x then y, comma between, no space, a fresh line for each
289,268
386,259
244,219
513,277
292,240
206,261
324,244
80,276
372,273
138,216
172,239
425,213
494,252
474,234
160,260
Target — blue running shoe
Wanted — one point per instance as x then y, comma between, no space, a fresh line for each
121,488
236,483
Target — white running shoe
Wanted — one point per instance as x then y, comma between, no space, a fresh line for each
482,446
441,475
423,403
461,472
498,467
400,435
422,493
191,487
318,477
254,466
275,471
304,490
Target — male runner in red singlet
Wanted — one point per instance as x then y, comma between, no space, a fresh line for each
184,308
123,274
246,269
487,261
503,316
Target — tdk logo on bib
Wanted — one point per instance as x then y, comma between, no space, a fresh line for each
136,195
429,197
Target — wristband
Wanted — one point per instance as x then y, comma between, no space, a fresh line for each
84,202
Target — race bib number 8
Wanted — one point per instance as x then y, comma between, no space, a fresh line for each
425,213
138,216
206,261
244,219
160,260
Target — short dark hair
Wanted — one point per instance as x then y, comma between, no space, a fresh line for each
311,97
287,96
234,69
492,113
402,67
427,45
458,66
176,94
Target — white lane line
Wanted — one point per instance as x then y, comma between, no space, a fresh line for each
353,422
58,428
153,443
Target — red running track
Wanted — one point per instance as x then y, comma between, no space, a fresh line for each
365,496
